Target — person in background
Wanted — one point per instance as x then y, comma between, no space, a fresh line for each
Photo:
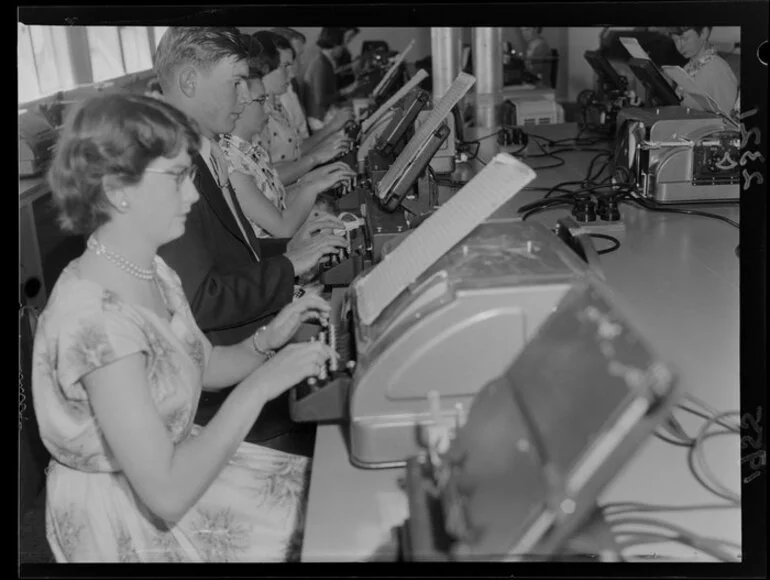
321,89
291,155
344,70
235,282
292,102
292,99
256,183
710,72
119,364
537,55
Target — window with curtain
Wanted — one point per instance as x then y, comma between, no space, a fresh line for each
44,61
135,42
46,55
106,53
29,89
158,32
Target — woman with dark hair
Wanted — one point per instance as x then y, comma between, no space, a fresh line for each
710,72
272,58
322,92
119,365
344,69
292,99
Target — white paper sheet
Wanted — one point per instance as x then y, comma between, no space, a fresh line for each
690,88
634,48
502,178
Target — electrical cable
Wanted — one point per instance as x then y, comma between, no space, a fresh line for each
709,486
676,442
696,457
706,407
616,522
642,538
616,514
539,209
654,207
616,508
606,237
472,141
683,407
648,521
558,187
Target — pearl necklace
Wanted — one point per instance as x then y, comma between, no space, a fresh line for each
124,264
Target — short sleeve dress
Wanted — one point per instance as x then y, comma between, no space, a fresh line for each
253,160
251,513
281,140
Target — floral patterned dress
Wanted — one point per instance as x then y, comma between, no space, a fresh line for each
294,112
279,138
253,160
252,512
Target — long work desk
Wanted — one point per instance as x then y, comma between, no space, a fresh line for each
680,273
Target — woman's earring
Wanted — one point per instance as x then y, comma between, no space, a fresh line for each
124,204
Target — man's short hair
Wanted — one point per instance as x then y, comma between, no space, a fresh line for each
289,33
200,46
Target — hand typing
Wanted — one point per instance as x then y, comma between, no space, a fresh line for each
304,254
285,325
327,176
292,364
341,117
316,223
336,145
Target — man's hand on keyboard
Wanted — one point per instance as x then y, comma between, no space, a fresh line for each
317,223
341,117
305,254
334,146
327,176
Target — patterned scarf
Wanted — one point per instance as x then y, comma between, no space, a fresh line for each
695,64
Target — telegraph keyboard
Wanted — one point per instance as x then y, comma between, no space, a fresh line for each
324,398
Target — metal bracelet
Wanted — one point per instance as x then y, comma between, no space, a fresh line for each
266,354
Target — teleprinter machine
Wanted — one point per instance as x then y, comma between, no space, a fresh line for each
394,198
369,227
518,476
442,312
678,155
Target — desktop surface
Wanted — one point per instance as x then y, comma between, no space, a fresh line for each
680,274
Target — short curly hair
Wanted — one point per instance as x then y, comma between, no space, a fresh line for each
113,135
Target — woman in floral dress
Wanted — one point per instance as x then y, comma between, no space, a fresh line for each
119,364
